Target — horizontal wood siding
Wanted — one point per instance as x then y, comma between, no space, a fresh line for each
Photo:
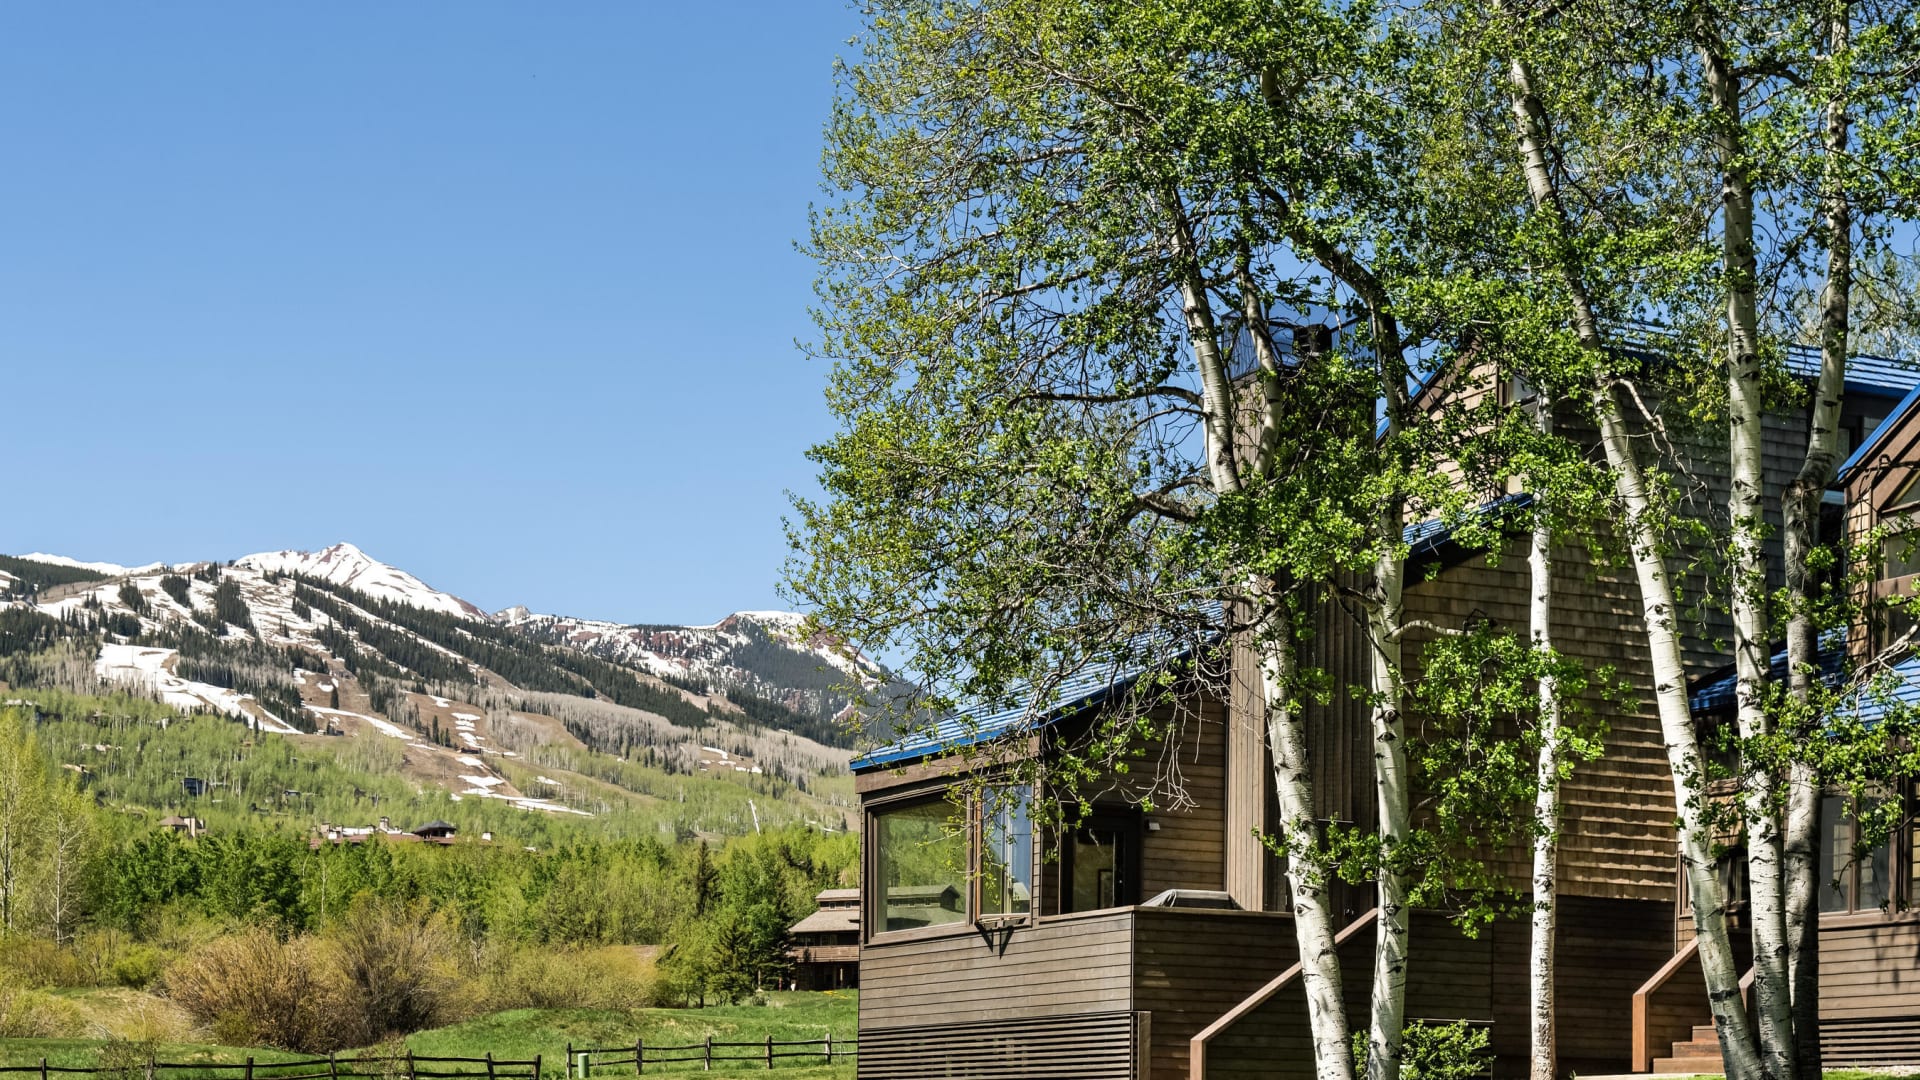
1895,1041
1058,967
1096,1046
1451,978
1189,849
1870,972
1603,951
1192,966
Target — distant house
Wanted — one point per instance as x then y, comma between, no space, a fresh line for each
826,944
194,785
436,830
190,826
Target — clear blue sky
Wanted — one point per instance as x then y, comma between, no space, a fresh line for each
505,294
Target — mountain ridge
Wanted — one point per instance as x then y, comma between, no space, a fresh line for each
299,644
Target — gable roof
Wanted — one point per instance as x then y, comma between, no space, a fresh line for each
1870,446
1094,684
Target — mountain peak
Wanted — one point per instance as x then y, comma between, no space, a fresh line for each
345,564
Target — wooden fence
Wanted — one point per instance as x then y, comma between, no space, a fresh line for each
331,1067
581,1061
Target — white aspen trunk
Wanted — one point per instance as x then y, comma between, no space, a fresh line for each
1759,786
1203,333
1391,777
1308,874
1717,965
1546,798
1802,512
1658,613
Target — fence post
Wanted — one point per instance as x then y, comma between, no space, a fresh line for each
573,1066
249,1067
769,1053
536,1067
333,1066
409,1063
150,1064
706,1063
639,1054
829,1047
489,1066
43,1069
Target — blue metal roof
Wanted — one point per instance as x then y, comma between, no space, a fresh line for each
1868,703
980,723
1094,684
1716,691
1870,446
1901,690
1866,374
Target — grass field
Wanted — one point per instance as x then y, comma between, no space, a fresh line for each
523,1033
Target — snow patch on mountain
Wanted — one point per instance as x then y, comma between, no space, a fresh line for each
147,669
107,568
344,564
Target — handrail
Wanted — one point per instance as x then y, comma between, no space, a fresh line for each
1197,1046
1642,1000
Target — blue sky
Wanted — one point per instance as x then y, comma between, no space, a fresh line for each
505,294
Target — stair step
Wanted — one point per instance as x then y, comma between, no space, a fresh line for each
1705,1033
1698,1048
1689,1065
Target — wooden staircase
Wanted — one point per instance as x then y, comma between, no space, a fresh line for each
1700,1054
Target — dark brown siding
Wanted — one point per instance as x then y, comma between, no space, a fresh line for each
1097,1046
1871,972
1058,967
1192,966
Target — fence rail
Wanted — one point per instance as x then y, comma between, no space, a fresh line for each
581,1061
331,1067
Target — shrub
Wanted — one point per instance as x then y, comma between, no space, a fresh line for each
253,987
1454,1051
397,959
39,963
533,977
26,1013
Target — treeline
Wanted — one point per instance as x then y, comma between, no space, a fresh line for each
31,577
512,656
70,861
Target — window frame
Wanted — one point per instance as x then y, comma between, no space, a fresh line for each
1900,862
873,902
872,914
977,878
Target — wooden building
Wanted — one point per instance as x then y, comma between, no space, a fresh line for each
825,946
1159,945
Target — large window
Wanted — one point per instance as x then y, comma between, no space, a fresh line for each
1851,881
920,863
1006,857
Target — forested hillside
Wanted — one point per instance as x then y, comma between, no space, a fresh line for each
408,686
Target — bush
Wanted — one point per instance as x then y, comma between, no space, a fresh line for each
1455,1051
533,977
26,1013
397,960
39,963
255,988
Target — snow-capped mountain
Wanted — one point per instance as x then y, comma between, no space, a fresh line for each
344,564
338,642
107,568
